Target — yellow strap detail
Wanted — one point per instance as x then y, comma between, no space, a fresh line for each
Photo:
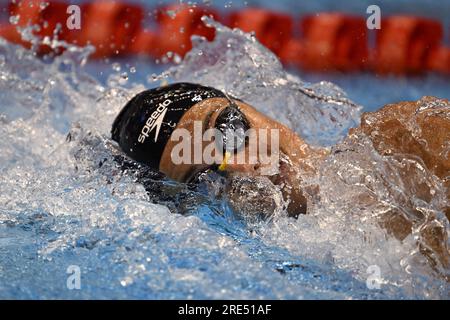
223,165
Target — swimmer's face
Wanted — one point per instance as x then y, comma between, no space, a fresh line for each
276,155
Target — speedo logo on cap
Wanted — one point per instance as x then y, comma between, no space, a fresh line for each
154,121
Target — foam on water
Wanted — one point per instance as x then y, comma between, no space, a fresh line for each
63,200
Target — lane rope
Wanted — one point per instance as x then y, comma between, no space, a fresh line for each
327,41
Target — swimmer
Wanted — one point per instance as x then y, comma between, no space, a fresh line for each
146,124
151,125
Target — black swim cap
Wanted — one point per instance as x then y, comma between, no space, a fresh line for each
147,121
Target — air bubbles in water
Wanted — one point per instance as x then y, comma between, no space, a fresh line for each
116,66
177,58
171,13
43,5
14,19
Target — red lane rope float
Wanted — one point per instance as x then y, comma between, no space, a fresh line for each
33,12
333,41
144,43
404,43
272,29
291,53
9,32
109,26
177,23
439,60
